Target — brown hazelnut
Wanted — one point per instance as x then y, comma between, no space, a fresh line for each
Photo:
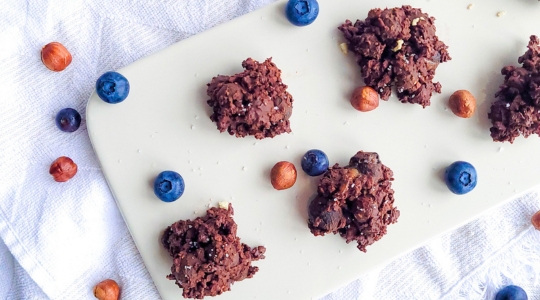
55,56
535,220
63,169
283,175
108,289
462,103
365,99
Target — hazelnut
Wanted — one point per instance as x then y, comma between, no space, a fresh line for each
462,103
365,99
283,175
55,56
63,169
108,289
535,220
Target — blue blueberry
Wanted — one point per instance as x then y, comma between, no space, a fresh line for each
460,177
315,162
169,186
112,87
302,12
511,292
68,120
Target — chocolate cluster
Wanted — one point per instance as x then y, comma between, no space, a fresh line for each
254,102
515,111
397,47
355,201
207,255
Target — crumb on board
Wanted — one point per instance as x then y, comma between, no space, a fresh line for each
501,13
344,48
470,6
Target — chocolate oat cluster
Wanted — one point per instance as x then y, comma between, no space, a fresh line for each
207,255
355,201
516,110
254,102
397,47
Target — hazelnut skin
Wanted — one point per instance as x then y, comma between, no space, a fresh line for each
462,103
535,220
283,175
108,289
55,56
63,169
365,99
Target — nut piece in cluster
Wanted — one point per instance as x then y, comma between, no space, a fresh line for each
63,169
535,220
283,175
399,45
108,289
462,103
55,56
365,99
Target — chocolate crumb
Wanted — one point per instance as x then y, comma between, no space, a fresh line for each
397,46
207,255
254,102
515,111
355,201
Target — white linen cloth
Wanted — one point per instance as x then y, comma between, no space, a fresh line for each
57,240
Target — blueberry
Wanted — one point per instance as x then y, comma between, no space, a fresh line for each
302,12
314,162
68,120
112,87
169,186
460,177
511,292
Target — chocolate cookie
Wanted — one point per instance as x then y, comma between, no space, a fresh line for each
516,110
397,46
355,201
254,102
207,255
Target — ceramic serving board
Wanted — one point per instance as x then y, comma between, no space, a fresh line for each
164,125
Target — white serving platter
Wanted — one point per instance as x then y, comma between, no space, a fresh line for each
164,124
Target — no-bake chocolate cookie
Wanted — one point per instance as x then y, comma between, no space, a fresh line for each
254,102
516,110
355,201
207,255
397,47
